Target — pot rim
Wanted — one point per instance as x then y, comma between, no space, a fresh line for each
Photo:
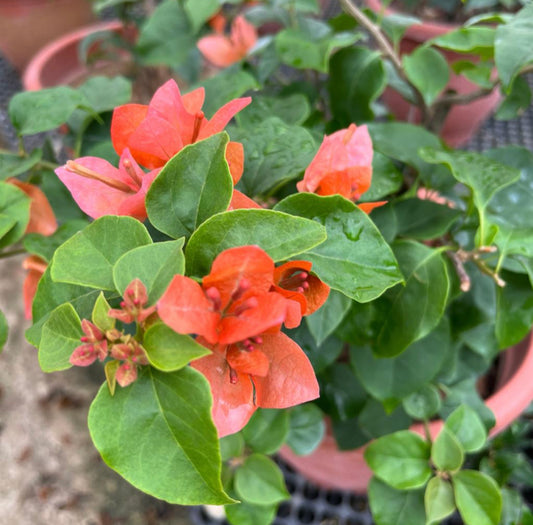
31,78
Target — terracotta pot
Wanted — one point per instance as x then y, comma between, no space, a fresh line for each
58,62
331,468
462,121
27,25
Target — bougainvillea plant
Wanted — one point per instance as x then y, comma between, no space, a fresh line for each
250,256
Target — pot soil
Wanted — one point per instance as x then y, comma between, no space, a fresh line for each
331,468
462,121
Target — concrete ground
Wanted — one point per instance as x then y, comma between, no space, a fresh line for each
50,473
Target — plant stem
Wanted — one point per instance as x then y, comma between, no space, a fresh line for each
458,264
5,255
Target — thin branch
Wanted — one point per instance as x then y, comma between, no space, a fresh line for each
5,255
458,263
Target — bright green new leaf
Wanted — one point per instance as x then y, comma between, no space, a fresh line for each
467,427
192,186
154,264
395,507
60,337
438,500
323,322
477,497
306,429
513,43
266,431
259,481
275,153
14,213
447,454
158,434
415,309
281,235
100,315
400,459
355,259
428,70
12,164
168,351
87,258
36,111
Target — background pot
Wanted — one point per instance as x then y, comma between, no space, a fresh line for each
331,468
463,120
59,63
27,25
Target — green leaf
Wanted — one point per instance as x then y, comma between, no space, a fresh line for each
513,44
192,186
14,213
478,498
323,322
423,219
168,351
266,431
355,259
12,164
428,70
275,153
259,481
230,83
395,507
356,79
166,37
246,514
516,102
474,40
105,94
60,337
3,331
446,452
281,235
467,427
293,109
232,446
199,11
438,500
88,257
484,176
400,459
100,315
415,309
386,179
306,429
36,111
154,264
479,74
424,403
158,434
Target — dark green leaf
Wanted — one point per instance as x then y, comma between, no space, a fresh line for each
428,70
424,403
325,320
516,102
199,11
400,459
232,446
266,431
12,164
105,94
395,507
478,498
168,351
275,153
165,418
259,481
36,111
375,421
354,259
307,428
60,337
356,79
293,110
87,258
281,235
192,186
415,309
438,500
386,179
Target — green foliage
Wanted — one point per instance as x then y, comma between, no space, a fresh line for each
164,419
325,320
3,331
306,428
466,426
424,403
438,500
14,213
12,164
266,431
447,454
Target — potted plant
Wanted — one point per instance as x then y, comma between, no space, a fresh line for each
247,284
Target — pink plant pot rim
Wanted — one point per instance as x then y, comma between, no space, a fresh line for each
32,77
331,468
